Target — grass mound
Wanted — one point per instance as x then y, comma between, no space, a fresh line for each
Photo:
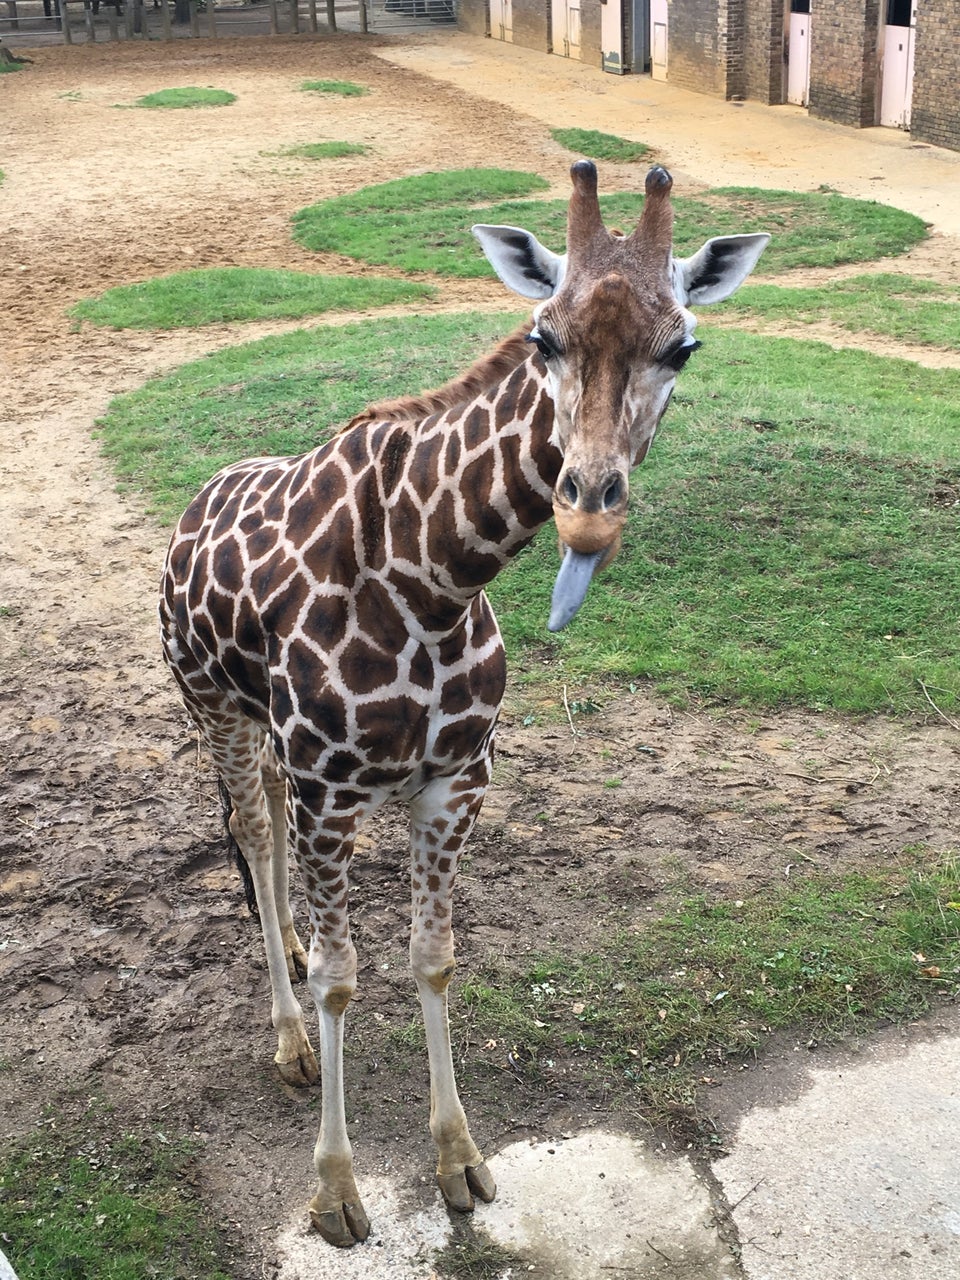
176,99
422,223
344,88
221,294
600,146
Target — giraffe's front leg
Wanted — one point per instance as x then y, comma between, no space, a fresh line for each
442,817
335,1210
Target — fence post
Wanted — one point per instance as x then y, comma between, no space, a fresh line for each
363,16
112,22
165,19
211,16
274,26
65,23
194,20
312,9
88,18
332,14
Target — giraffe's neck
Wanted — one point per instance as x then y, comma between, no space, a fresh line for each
455,496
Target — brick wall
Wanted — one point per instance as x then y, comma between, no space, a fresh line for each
531,24
763,50
697,56
935,115
843,61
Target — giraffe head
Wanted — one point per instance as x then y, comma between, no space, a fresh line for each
613,327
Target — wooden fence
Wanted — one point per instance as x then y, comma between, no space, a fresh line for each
43,21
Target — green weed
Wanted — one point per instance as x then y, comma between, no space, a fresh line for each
221,294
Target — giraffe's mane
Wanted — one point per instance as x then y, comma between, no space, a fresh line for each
483,373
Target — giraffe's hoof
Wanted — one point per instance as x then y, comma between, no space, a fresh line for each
300,1070
480,1181
342,1227
459,1189
297,964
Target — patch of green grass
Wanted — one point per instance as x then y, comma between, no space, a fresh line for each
74,1204
218,294
10,66
326,150
710,979
894,306
345,88
792,534
422,223
600,146
176,99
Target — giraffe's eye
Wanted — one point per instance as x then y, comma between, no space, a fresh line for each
679,356
546,348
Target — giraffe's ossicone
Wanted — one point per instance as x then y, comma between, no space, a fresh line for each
325,618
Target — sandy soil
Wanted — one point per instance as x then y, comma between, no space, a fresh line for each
128,968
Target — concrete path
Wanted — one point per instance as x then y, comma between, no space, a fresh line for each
849,1169
850,1172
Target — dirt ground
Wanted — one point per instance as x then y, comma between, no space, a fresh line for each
128,967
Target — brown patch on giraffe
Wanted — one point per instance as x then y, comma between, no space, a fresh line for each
421,669
342,765
393,455
393,730
423,471
476,427
459,741
406,524
527,506
326,712
326,622
477,489
365,668
436,613
377,615
333,557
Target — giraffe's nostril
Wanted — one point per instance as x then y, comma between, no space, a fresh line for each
614,493
569,490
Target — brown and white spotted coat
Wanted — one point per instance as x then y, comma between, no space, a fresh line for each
325,619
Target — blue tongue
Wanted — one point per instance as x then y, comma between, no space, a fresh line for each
570,588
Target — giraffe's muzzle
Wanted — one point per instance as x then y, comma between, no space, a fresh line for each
588,542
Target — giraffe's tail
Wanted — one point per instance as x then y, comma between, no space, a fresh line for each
236,853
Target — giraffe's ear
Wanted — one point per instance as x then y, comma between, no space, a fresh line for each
521,261
716,270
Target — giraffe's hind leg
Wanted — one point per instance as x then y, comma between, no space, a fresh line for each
239,751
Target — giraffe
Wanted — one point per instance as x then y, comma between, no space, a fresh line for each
325,619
